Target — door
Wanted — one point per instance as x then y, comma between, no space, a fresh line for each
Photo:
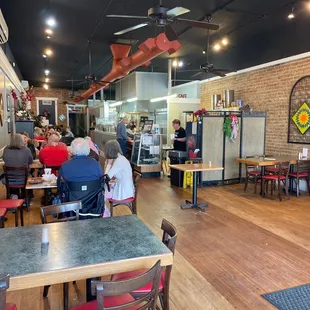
47,108
78,120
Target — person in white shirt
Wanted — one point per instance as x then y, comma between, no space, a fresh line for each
118,167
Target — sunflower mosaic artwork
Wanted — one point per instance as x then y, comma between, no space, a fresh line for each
302,118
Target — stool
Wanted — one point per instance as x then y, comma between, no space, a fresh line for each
12,205
2,215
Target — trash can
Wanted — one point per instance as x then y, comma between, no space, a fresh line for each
176,176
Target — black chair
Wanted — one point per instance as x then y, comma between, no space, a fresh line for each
58,210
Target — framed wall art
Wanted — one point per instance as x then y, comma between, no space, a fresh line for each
299,112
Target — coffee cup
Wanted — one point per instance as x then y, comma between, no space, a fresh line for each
172,136
47,171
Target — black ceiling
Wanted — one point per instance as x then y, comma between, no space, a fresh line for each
259,31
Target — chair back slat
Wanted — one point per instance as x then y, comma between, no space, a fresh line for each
112,288
61,208
169,235
16,176
303,166
4,285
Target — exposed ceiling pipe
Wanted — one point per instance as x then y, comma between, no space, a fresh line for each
123,64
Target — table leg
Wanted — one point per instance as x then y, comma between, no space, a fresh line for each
261,179
291,184
193,204
66,295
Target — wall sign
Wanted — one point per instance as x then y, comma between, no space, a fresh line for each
182,95
299,112
62,117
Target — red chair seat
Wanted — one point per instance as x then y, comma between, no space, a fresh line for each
10,307
273,177
131,199
2,212
11,203
300,175
109,301
131,274
254,172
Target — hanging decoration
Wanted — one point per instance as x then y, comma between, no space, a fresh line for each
302,118
231,127
199,114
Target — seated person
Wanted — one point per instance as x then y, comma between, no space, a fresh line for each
30,145
119,168
53,154
68,132
60,144
38,134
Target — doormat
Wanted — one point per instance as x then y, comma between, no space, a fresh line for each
295,298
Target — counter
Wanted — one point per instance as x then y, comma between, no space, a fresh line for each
100,137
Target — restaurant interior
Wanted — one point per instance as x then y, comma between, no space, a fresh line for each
155,154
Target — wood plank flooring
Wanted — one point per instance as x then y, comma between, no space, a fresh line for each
242,247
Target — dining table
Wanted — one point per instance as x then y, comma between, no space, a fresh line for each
35,165
264,162
195,168
78,250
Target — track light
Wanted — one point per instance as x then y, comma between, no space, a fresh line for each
47,72
49,31
175,63
45,86
51,22
48,37
217,47
47,80
204,51
44,56
225,41
180,64
48,52
291,15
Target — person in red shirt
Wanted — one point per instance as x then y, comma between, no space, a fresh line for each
54,154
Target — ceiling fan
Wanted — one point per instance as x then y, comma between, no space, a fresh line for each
207,67
163,17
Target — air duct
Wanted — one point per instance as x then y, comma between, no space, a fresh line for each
123,65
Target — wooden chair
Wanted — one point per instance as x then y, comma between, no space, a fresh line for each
169,239
2,216
113,295
131,203
301,172
16,178
14,206
4,285
280,177
74,206
252,173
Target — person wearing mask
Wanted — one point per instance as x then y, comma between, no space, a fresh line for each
179,140
28,143
119,169
121,135
54,153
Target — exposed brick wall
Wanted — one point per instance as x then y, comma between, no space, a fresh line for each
265,90
60,93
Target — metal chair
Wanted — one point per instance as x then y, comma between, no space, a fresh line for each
169,239
115,295
59,209
4,285
131,203
301,172
14,206
16,179
280,177
252,172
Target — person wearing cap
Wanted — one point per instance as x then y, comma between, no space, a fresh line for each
179,140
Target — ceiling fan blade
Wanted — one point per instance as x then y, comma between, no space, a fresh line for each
130,29
198,73
218,73
127,16
171,35
197,24
177,11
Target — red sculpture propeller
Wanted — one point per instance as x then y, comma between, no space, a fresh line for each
123,65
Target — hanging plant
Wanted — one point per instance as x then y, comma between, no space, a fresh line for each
231,127
200,113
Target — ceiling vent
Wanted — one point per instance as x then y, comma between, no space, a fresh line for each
4,31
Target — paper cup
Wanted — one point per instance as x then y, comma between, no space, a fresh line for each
47,171
172,136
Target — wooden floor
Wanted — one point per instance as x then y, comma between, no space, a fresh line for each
242,247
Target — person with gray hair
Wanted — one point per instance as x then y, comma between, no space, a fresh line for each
119,168
80,167
121,135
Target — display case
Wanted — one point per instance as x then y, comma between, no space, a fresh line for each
146,154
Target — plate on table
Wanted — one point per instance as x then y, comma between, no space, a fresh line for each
269,158
35,181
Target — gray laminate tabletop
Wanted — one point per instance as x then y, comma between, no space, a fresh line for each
78,250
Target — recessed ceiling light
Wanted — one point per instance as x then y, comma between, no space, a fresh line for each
204,51
216,47
47,72
48,52
45,86
51,22
47,80
44,56
49,31
13,64
225,41
291,16
48,37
